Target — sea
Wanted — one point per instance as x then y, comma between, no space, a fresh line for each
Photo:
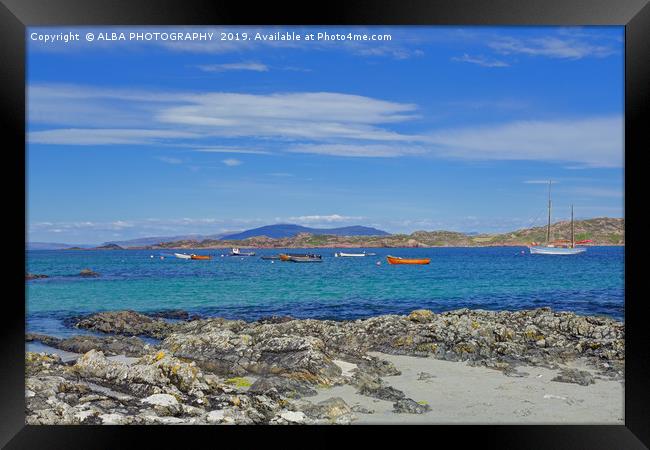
250,288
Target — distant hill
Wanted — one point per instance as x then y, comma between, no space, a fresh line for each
289,230
602,231
153,240
53,246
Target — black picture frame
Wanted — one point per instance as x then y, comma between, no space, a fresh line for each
16,15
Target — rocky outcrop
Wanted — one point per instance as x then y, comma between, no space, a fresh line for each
110,345
129,323
305,349
35,276
88,273
218,371
157,389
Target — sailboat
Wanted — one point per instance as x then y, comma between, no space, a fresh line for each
557,247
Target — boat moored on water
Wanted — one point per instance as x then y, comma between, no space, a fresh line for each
398,260
560,246
306,259
200,257
272,257
182,256
548,250
300,256
237,252
352,255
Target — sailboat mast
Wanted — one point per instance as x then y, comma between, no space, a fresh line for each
548,228
573,238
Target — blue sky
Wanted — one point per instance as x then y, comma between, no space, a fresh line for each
438,128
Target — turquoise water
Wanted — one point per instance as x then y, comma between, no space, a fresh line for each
493,278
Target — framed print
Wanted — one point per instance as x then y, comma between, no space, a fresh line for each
384,215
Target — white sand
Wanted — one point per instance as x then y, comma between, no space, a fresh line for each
461,394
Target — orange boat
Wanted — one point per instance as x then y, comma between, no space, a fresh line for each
398,260
201,256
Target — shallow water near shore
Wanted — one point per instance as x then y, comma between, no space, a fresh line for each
494,278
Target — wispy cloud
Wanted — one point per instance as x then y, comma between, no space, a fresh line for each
589,142
95,136
249,66
552,47
323,218
480,60
539,182
284,116
325,123
231,150
358,151
231,162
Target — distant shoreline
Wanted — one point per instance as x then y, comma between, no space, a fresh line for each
225,247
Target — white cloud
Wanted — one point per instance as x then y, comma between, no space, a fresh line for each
250,66
552,47
284,116
358,151
96,136
323,218
480,60
231,150
231,162
310,115
326,123
590,142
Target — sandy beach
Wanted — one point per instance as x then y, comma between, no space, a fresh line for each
461,394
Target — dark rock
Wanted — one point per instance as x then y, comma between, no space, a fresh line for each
362,409
129,323
376,388
35,276
88,273
285,386
112,345
333,410
410,406
425,376
274,319
576,376
177,314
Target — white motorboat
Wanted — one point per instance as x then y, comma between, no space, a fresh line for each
182,256
349,255
237,252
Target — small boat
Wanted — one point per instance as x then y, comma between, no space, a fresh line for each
305,259
182,256
201,257
561,246
288,256
237,252
398,260
270,257
349,255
